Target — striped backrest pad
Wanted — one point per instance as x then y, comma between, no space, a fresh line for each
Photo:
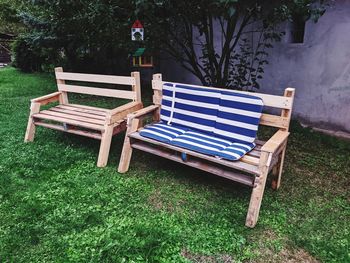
227,114
189,106
238,116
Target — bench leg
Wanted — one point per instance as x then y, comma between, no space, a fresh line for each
258,192
30,132
277,171
105,146
125,157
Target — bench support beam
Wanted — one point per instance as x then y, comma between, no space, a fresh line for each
105,146
30,132
125,157
258,190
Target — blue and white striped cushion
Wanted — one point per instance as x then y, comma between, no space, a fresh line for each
238,117
235,151
162,132
197,141
201,142
189,106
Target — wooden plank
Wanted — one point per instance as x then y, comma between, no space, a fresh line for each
119,127
89,134
122,94
144,111
43,100
137,86
83,108
73,117
125,157
64,95
245,167
30,131
258,191
68,121
121,80
121,112
204,166
78,113
281,102
254,153
250,159
275,141
105,146
274,121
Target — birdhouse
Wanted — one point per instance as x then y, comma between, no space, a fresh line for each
142,58
137,31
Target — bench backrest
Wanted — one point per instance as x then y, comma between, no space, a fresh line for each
133,81
227,114
283,103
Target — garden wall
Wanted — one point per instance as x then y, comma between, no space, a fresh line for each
319,69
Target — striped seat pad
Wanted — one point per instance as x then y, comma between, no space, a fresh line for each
238,117
193,107
206,143
162,132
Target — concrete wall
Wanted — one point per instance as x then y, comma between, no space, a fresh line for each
319,69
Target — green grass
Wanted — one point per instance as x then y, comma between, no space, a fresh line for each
57,206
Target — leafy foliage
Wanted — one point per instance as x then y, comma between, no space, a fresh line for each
57,206
84,35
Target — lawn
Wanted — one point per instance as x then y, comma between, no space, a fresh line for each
57,206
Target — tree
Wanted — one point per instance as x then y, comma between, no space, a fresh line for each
235,56
82,35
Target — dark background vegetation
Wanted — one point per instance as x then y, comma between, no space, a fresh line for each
94,36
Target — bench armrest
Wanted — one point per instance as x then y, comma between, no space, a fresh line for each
47,98
142,112
275,142
121,112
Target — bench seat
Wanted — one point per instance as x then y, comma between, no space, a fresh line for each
206,143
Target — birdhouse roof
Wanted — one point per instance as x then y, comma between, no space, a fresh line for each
137,24
139,52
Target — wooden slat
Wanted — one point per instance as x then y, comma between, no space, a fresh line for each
74,131
90,111
123,94
122,111
77,113
145,111
121,80
249,168
88,107
47,97
73,117
275,141
205,166
274,121
281,102
68,121
255,153
250,159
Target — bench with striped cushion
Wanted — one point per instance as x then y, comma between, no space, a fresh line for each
218,123
207,128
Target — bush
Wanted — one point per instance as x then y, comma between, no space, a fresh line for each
30,56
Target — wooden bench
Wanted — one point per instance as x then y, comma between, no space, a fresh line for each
93,122
252,169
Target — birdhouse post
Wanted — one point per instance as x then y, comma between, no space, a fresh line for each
137,31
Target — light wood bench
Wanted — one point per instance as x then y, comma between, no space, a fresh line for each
252,169
93,122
